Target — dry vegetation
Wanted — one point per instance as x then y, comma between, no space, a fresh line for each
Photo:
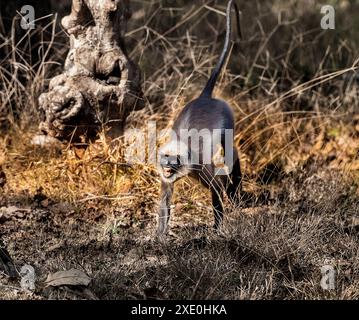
293,89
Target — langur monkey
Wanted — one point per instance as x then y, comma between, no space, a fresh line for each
183,156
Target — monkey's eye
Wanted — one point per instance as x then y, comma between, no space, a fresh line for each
164,160
167,160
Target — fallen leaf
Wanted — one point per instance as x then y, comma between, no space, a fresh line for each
7,213
45,203
56,246
8,210
71,277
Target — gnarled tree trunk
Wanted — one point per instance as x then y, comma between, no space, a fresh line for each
100,85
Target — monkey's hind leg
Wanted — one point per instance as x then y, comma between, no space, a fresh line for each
234,186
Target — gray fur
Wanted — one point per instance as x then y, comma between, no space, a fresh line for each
202,113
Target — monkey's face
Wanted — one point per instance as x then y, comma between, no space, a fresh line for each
172,161
170,165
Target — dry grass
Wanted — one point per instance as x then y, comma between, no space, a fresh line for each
296,111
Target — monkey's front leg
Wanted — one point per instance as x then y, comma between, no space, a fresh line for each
164,213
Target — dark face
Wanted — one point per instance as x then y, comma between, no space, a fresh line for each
170,165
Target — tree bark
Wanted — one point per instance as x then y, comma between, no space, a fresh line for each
100,85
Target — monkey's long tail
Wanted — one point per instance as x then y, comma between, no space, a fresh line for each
208,90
